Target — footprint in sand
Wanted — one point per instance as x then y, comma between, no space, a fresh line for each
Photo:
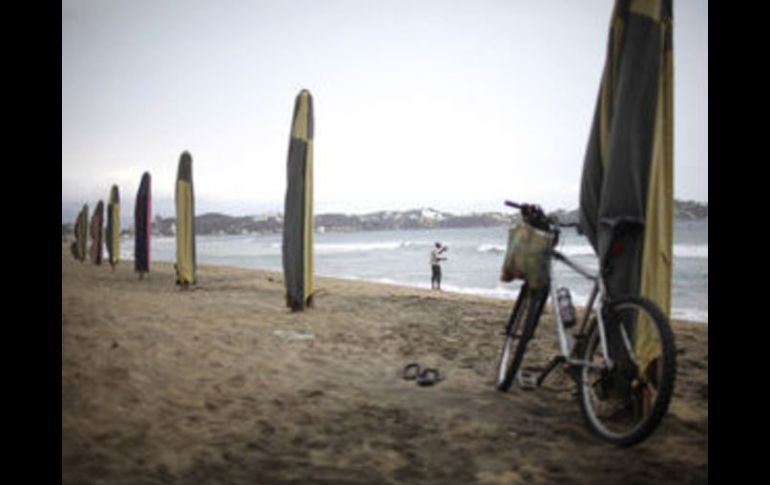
216,404
450,353
237,381
310,394
266,428
193,421
115,374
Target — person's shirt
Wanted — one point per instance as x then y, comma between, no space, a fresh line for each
435,258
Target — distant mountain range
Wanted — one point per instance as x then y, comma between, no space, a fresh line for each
215,223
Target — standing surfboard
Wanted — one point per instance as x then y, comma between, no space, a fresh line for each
298,208
112,233
97,222
142,221
629,162
185,223
81,235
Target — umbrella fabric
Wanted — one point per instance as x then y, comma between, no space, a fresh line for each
97,242
81,235
112,231
142,221
298,207
628,166
185,222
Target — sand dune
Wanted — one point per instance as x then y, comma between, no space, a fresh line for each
223,385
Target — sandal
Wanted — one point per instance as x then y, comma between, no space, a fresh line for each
428,377
407,373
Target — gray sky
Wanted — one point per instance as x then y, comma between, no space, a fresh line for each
455,105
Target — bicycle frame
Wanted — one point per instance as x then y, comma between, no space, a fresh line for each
600,291
534,215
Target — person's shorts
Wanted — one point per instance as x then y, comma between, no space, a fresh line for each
436,271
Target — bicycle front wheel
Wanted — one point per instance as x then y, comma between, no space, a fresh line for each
520,330
506,370
625,404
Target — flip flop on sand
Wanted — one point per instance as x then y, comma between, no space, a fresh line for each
424,377
428,377
411,372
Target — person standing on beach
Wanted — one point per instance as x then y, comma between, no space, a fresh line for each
435,264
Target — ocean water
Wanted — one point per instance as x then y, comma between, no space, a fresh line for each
475,257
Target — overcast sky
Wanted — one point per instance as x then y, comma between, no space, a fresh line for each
455,105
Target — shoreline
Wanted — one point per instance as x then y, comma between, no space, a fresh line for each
476,292
449,289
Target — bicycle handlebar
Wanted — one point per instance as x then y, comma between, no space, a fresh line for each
534,211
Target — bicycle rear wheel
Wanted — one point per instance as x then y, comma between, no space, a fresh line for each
626,404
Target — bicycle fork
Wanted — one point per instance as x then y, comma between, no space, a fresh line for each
516,313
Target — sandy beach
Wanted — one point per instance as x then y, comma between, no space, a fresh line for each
224,385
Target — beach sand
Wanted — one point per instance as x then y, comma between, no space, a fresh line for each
224,385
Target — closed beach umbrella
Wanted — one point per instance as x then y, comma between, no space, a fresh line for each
298,207
628,166
142,221
81,235
112,232
185,223
97,242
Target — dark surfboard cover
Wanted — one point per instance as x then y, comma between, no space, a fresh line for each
298,207
142,225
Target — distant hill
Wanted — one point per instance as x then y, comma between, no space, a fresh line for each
683,211
690,210
215,223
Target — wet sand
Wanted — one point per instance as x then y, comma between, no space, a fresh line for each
224,385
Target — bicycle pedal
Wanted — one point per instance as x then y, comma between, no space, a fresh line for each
527,380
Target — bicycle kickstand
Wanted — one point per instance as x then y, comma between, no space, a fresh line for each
530,380
559,359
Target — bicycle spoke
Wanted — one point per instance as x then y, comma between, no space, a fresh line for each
627,340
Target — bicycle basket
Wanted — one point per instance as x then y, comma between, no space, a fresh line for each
528,255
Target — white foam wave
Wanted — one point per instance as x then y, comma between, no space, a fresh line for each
497,292
385,281
359,247
335,248
698,251
415,244
695,251
491,248
362,247
577,250
690,314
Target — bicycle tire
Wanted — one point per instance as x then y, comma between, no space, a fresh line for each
529,312
663,388
505,370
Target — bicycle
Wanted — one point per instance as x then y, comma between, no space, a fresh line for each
622,401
